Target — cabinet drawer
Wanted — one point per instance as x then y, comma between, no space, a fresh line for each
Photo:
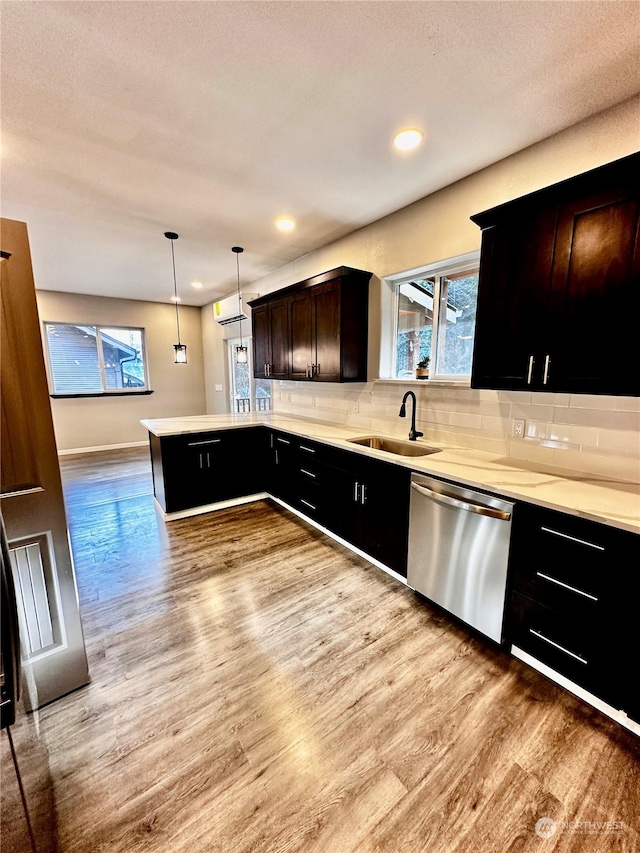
572,643
558,555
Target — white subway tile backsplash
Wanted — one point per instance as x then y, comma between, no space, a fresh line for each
627,404
460,419
601,418
619,439
582,433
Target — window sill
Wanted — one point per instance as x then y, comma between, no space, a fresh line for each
427,383
101,394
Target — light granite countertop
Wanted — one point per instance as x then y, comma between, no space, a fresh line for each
596,498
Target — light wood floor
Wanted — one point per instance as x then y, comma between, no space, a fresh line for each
256,687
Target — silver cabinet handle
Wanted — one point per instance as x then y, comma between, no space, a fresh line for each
571,538
308,371
198,443
557,645
356,492
208,460
306,503
530,371
265,368
547,362
363,494
470,506
308,473
201,460
284,441
307,449
566,586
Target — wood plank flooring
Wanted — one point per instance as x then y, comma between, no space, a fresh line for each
256,688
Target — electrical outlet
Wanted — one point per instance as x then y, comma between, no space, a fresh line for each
218,387
518,428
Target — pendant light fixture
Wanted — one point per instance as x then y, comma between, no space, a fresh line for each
179,349
241,351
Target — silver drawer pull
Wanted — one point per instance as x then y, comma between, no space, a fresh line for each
308,473
307,449
470,506
557,645
306,503
530,371
284,441
566,586
199,443
572,538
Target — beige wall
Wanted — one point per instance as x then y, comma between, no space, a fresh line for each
178,389
599,435
216,362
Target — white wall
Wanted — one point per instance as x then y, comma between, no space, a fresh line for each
178,389
599,435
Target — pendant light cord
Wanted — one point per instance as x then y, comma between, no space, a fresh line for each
239,298
175,289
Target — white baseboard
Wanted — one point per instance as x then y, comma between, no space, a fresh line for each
200,510
99,447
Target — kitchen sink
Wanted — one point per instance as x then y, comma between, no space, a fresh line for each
394,445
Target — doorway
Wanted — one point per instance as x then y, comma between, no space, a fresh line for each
247,393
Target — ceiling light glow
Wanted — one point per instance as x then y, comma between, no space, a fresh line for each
408,139
285,224
197,285
176,299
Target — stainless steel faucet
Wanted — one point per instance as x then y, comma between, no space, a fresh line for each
413,433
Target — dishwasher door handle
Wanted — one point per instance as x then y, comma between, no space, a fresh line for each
469,506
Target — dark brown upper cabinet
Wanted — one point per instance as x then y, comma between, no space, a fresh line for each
558,297
270,340
318,328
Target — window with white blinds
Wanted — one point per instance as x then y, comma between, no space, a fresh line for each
95,359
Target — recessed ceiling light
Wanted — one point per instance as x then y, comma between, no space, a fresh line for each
408,139
176,299
285,224
197,285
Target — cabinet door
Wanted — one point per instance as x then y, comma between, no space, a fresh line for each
261,341
279,339
326,331
284,466
383,523
513,290
596,296
301,332
361,511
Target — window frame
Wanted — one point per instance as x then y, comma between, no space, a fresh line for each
105,392
437,270
232,343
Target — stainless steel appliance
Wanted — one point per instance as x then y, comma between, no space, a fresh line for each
458,551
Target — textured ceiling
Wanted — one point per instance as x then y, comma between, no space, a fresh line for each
122,120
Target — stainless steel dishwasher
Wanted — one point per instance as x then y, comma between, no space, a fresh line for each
458,551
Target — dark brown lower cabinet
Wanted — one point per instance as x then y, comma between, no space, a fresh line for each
368,506
575,592
196,469
362,500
